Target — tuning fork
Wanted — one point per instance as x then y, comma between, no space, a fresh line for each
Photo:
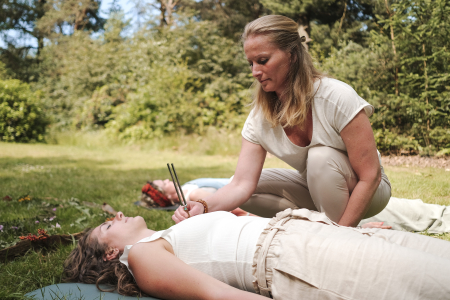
178,189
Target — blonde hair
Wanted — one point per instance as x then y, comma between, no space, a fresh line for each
299,92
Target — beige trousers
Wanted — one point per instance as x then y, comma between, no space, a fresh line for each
327,187
303,255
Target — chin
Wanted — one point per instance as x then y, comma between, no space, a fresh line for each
141,221
267,89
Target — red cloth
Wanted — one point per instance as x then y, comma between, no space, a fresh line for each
156,195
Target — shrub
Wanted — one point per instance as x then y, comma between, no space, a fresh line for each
21,118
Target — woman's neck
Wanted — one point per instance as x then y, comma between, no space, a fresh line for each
143,234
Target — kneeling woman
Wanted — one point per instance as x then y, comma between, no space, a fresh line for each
299,254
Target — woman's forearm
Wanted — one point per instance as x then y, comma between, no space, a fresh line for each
249,166
359,202
229,197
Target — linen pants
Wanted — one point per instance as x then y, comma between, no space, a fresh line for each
327,187
302,254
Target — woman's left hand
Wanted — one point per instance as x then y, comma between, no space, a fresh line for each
376,225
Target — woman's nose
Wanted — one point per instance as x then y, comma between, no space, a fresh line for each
119,216
256,71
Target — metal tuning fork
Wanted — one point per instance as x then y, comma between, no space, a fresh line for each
178,189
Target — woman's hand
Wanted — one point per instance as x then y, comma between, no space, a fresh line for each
194,208
376,225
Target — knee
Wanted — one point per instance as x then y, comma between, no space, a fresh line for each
322,160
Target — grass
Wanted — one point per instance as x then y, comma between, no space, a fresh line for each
78,169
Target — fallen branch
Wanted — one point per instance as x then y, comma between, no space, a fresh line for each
22,247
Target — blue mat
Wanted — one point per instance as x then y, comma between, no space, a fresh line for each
77,291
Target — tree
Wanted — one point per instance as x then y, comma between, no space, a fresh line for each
230,16
21,16
68,16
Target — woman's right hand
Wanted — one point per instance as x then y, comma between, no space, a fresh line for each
195,208
249,166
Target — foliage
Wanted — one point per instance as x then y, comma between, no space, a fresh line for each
421,107
158,82
21,117
404,72
184,71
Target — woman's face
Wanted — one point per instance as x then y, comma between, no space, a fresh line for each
269,64
167,187
121,231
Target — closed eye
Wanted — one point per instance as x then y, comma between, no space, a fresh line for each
259,62
108,226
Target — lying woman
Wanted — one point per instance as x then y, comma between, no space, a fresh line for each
299,254
399,214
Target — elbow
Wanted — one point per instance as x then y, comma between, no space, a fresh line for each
245,187
372,178
378,177
375,179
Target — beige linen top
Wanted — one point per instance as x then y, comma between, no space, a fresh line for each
334,105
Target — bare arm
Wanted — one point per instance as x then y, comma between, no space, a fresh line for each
248,169
159,273
362,153
201,193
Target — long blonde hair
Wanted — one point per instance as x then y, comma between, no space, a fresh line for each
299,92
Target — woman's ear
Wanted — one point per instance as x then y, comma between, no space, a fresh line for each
111,253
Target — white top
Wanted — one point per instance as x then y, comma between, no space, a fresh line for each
188,189
218,244
334,105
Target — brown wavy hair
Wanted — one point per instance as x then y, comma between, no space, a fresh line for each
299,93
85,264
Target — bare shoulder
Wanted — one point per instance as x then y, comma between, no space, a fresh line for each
140,250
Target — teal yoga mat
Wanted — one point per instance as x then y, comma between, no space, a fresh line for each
77,291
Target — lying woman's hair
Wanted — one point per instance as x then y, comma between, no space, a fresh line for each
85,264
299,92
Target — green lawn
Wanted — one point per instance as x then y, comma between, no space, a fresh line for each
70,177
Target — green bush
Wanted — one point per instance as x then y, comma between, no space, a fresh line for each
21,118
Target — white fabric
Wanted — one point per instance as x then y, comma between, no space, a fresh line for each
413,215
187,190
335,104
218,244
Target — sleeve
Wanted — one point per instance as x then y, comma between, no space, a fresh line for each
249,132
347,104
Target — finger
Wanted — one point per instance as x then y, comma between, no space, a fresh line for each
180,214
175,219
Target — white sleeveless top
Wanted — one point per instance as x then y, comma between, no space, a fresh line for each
218,244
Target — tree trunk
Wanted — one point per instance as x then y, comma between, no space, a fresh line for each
80,17
426,89
342,19
393,46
